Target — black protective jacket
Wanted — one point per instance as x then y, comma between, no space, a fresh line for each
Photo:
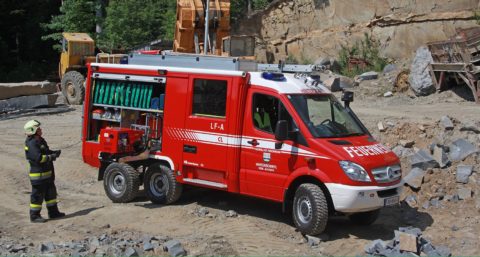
41,160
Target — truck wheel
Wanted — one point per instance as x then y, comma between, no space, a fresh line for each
121,182
310,209
365,218
161,186
72,87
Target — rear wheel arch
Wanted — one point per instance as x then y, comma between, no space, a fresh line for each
158,163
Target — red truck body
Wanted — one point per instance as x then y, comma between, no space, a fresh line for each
218,144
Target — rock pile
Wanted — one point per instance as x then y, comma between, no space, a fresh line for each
442,162
408,241
114,244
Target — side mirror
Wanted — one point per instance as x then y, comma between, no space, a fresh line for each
347,97
281,133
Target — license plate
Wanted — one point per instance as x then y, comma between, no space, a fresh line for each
392,200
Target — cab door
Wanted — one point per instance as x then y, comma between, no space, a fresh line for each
205,140
264,168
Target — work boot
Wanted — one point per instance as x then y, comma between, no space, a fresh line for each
37,219
54,213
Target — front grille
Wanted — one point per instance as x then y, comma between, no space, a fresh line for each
387,174
387,193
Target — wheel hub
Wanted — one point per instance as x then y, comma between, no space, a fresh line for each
304,210
159,185
117,185
71,89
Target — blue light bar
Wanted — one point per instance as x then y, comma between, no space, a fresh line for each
273,76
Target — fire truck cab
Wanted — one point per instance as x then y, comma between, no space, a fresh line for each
277,136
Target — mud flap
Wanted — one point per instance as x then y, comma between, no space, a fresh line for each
101,170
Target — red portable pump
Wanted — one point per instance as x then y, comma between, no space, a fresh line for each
116,140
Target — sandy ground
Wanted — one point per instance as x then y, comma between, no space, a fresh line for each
260,228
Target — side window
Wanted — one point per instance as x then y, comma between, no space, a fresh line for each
209,98
64,45
267,110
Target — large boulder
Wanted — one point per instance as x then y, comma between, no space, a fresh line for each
420,79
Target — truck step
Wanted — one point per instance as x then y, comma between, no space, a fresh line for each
205,183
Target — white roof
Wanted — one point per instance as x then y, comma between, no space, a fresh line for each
292,85
173,69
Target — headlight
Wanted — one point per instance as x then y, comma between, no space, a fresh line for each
354,171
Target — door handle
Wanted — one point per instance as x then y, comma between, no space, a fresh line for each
253,142
189,149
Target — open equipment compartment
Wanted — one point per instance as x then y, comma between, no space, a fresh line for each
126,103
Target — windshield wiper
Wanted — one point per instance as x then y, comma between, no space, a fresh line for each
351,134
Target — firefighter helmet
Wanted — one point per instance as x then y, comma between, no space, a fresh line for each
31,127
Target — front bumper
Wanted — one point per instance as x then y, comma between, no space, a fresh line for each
352,199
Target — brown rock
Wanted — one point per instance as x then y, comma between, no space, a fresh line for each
408,242
407,143
380,126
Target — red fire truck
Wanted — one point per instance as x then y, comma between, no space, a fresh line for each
164,121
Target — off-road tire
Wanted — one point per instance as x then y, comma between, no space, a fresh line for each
73,88
121,182
365,218
310,209
160,185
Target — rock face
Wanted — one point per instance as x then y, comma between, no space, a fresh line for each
309,29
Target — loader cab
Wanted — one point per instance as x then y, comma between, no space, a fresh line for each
75,47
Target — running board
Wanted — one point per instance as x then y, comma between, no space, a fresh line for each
205,183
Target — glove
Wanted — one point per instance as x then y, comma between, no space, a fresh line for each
57,153
52,157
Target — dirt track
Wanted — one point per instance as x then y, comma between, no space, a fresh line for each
260,228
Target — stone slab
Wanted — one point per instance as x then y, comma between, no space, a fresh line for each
371,75
27,102
463,173
415,178
423,160
10,90
440,156
408,242
446,123
461,149
464,193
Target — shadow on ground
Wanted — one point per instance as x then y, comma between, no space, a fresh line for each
339,227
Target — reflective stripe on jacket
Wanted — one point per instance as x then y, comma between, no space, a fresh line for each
38,153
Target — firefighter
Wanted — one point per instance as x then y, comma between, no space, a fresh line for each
262,119
42,174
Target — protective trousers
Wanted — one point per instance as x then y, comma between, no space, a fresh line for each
41,192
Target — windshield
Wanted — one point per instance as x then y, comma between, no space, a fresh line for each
325,116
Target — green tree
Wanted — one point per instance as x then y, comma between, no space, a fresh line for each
24,55
130,23
75,16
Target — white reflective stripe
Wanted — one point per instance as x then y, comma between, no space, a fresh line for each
286,148
227,140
